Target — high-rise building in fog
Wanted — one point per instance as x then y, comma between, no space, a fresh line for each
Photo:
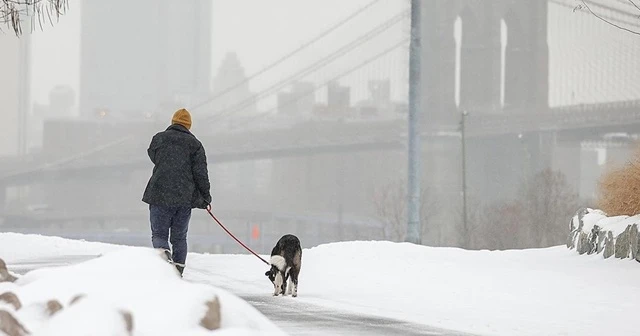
14,93
144,56
231,89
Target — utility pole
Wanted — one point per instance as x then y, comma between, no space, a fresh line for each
415,108
463,139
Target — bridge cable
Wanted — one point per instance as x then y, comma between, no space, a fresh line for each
288,55
345,73
314,67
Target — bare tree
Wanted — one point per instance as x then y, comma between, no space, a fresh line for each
14,13
536,218
478,235
549,202
428,210
597,9
503,226
389,202
390,206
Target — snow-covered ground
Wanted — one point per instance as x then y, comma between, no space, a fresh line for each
615,224
135,280
549,291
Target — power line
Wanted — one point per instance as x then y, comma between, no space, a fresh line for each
289,55
343,74
314,67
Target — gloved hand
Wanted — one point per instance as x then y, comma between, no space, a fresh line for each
203,205
206,203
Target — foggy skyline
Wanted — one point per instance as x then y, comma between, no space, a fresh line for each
259,36
562,54
269,30
479,147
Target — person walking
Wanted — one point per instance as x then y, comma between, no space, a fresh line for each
178,184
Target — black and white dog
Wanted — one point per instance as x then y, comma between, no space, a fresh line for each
286,261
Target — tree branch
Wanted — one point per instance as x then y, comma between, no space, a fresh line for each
585,5
13,11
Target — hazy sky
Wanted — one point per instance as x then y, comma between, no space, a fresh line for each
262,31
259,31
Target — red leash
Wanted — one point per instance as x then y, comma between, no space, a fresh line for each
234,237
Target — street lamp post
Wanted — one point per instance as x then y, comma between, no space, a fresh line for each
465,228
413,169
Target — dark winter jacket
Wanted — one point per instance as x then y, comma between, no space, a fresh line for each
180,176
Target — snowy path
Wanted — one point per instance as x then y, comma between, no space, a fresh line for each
294,316
298,317
306,319
376,288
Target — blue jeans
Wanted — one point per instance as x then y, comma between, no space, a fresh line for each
174,221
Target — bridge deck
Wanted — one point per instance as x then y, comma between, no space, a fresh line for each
326,137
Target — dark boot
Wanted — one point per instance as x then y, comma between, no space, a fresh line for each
168,254
180,269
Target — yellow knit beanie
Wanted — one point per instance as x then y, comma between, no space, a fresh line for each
182,117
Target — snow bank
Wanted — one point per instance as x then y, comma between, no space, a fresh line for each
592,232
519,292
15,247
130,291
549,291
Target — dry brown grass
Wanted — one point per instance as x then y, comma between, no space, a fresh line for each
619,188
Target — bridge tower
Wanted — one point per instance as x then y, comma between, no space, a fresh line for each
526,58
483,57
